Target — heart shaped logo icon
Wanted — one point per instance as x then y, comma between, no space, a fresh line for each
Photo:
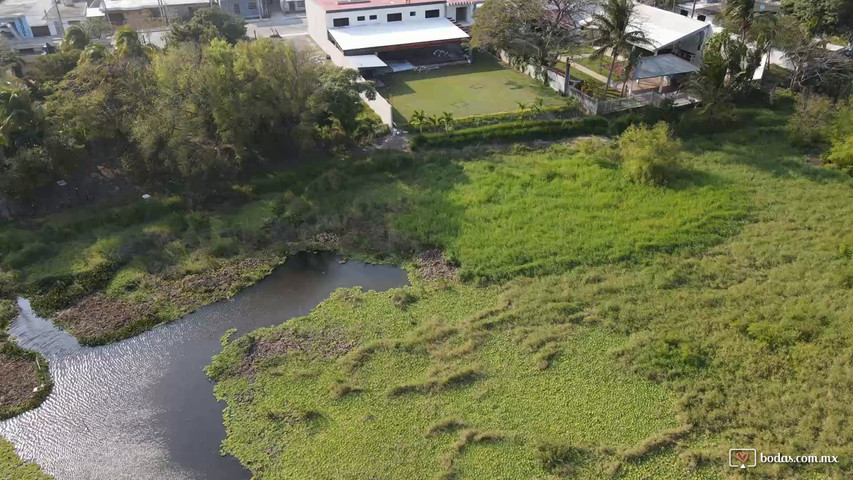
742,456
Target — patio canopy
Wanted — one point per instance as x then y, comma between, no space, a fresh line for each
396,34
662,66
365,61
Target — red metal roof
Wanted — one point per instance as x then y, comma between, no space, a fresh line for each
339,5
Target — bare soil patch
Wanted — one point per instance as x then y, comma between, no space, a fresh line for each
434,266
327,345
97,315
18,380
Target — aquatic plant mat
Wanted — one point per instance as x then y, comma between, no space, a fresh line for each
601,329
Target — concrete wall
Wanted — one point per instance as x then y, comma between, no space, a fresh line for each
382,14
382,108
246,9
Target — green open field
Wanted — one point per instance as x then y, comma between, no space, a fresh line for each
486,86
597,328
606,330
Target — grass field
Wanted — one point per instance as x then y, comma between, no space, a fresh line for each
485,86
600,329
726,290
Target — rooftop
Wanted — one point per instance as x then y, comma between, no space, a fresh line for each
338,5
662,65
34,10
130,5
396,33
663,27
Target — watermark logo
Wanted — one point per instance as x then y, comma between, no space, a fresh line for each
742,457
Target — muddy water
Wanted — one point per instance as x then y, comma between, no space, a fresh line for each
142,408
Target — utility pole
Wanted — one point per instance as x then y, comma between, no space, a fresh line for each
693,13
59,14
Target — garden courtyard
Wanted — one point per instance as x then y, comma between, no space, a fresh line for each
485,86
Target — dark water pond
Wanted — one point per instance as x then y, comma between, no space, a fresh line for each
143,408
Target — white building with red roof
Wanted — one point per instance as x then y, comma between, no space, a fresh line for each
391,34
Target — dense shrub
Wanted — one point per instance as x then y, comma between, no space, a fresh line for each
810,125
513,132
648,154
568,111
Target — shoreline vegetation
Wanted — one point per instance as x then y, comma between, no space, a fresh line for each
570,346
569,317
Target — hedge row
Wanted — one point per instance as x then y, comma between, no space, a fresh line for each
571,110
513,131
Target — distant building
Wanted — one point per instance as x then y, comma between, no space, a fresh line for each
28,24
142,14
391,35
250,9
670,33
711,10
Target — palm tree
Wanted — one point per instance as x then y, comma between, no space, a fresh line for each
740,14
75,38
94,52
434,121
537,106
447,120
632,62
418,119
616,31
522,107
128,44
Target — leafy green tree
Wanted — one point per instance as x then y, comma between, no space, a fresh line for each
534,31
418,119
447,120
739,15
25,171
94,52
728,66
21,120
822,17
206,25
75,38
616,30
338,97
128,44
96,27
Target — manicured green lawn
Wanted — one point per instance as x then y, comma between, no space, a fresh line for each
486,86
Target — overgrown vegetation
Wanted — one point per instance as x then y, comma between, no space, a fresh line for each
187,119
11,467
727,317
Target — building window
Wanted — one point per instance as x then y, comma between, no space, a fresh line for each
237,9
684,12
432,13
412,14
395,17
373,17
341,22
360,19
300,4
701,18
40,31
253,5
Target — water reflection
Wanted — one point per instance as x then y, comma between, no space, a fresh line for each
142,408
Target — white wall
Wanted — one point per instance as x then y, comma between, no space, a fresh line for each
382,14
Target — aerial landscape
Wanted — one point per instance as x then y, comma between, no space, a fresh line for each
426,239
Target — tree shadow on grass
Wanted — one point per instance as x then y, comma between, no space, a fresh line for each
770,153
393,204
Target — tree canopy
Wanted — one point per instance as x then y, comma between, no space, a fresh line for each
208,24
536,31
